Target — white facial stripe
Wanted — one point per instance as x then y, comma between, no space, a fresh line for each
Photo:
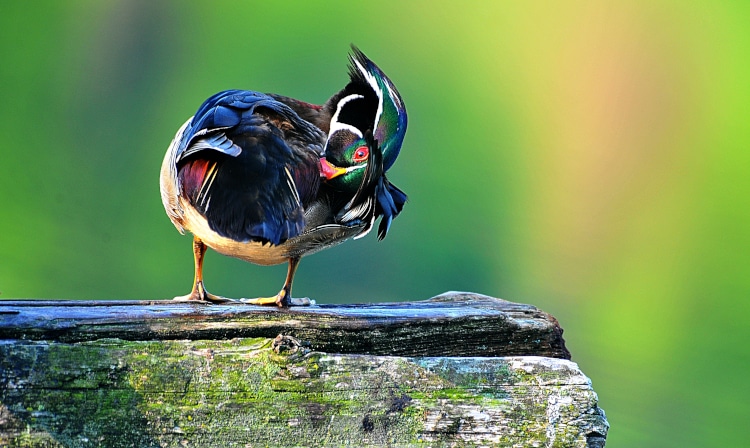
338,126
374,84
392,95
341,104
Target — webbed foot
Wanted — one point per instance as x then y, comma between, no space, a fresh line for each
280,300
200,295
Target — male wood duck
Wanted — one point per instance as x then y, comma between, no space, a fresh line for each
269,179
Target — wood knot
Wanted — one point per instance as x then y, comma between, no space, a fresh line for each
367,423
285,344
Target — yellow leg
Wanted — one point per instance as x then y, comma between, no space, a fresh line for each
199,293
284,297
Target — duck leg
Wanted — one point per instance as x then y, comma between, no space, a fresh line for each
284,297
199,293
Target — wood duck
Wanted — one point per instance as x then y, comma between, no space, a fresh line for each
269,179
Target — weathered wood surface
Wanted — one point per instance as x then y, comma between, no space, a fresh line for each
451,324
213,387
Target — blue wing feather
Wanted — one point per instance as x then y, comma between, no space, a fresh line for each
391,201
233,162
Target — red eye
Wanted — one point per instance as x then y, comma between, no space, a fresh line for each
361,153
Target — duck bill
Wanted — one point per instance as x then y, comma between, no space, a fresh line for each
328,170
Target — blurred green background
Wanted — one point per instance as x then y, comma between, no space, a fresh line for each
590,158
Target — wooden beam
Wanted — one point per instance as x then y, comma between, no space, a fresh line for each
451,324
156,374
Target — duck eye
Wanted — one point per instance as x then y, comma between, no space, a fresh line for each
361,153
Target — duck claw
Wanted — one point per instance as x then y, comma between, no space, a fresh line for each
204,299
279,301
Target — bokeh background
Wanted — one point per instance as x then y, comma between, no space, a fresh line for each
591,158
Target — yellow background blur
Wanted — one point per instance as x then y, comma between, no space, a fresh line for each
591,158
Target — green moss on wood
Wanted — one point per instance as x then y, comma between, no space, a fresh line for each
168,393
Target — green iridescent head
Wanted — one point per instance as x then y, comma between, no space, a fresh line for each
369,103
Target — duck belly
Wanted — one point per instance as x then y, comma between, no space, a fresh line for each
266,254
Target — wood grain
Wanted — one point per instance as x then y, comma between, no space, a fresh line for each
451,324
